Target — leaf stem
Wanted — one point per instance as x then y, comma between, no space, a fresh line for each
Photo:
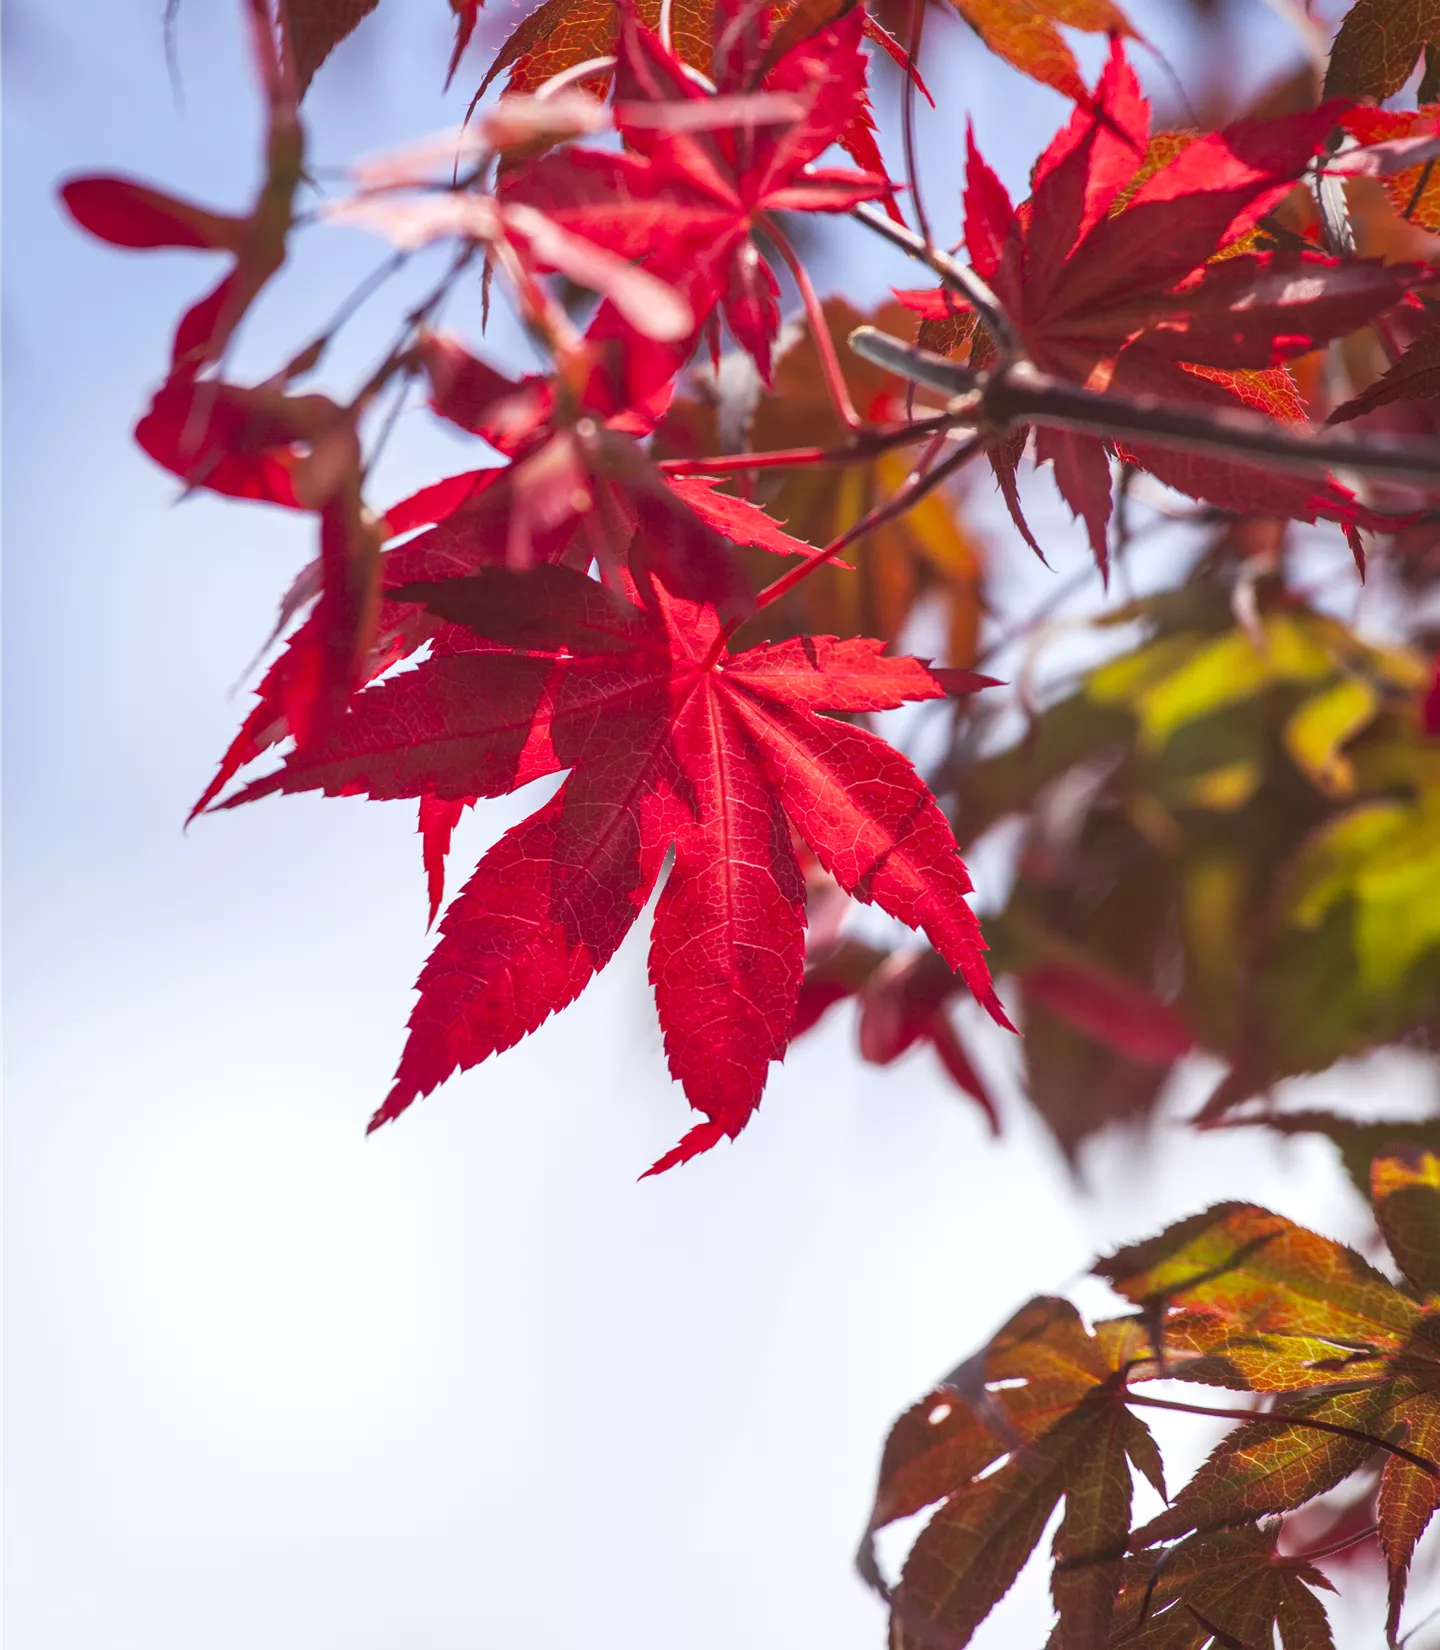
914,490
1266,1417
864,446
824,343
1339,1545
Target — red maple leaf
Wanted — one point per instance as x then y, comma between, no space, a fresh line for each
572,494
302,452
670,741
127,213
690,202
466,14
1109,273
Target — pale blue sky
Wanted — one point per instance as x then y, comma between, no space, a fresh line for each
465,1383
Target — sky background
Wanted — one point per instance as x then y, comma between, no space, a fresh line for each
464,1383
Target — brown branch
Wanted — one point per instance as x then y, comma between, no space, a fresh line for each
1019,393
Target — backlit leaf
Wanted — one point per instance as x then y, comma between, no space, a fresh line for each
314,28
1378,46
1026,34
1405,1187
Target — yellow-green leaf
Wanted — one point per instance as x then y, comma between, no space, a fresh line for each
1317,732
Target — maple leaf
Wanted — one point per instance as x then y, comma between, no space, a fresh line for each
1398,147
1049,1396
133,215
1265,1304
613,505
312,29
1229,1588
670,741
1378,45
563,35
1025,34
689,204
467,13
1405,1190
1109,274
1414,377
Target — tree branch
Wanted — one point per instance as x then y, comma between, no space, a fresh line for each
1019,393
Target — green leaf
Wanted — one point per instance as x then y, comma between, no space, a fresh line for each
1385,859
1234,1582
1405,1187
1359,1143
1316,733
1046,1401
1256,1273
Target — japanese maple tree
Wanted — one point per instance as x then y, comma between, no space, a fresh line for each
688,575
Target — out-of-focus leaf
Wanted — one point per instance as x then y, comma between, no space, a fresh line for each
314,28
1186,833
1359,1142
1415,376
1405,1188
1384,860
1026,34
902,1001
126,213
1111,1009
1317,731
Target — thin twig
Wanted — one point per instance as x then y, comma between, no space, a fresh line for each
860,450
909,495
418,317
172,52
907,112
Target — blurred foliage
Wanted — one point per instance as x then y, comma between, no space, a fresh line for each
1231,841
